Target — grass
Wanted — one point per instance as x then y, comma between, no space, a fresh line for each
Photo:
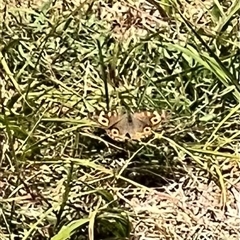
61,177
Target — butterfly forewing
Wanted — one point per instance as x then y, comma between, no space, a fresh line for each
108,119
151,119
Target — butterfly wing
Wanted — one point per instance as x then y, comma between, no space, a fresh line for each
151,119
144,123
107,120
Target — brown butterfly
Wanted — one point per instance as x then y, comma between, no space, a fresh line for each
129,126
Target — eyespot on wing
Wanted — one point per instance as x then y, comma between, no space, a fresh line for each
156,119
102,119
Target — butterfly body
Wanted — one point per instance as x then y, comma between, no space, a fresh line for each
134,126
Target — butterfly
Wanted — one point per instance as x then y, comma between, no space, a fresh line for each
129,126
